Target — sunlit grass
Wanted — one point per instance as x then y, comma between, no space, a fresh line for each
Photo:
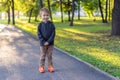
3,21
102,54
28,27
79,32
88,21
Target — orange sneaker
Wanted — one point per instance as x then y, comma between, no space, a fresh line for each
41,69
51,69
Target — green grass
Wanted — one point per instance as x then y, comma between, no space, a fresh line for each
87,40
3,21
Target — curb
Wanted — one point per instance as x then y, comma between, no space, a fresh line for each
88,64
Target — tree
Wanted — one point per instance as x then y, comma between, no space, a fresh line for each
5,7
69,9
101,11
41,3
61,10
90,6
8,10
116,18
8,14
109,9
19,7
73,8
78,10
31,10
110,4
36,10
30,14
13,15
106,11
49,9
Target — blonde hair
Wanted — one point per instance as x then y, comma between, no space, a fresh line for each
44,10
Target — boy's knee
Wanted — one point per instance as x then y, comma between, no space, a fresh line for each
43,55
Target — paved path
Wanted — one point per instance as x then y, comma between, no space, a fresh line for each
19,60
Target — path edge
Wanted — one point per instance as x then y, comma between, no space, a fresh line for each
88,64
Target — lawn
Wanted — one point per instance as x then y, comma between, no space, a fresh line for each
87,40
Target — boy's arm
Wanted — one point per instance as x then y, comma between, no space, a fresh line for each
40,35
52,35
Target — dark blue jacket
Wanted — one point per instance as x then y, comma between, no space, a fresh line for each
46,33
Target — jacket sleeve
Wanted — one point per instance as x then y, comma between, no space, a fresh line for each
40,35
52,35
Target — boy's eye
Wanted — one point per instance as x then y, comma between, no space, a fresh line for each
45,15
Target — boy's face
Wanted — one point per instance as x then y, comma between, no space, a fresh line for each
44,16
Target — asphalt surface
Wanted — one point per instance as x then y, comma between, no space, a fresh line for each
19,60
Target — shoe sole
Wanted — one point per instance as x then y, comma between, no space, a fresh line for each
51,71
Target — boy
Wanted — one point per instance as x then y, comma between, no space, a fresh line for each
46,35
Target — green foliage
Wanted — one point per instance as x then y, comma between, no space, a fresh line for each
55,5
36,9
65,5
18,5
4,4
90,6
27,6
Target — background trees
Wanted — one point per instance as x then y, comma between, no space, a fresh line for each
90,6
13,15
30,8
73,8
5,7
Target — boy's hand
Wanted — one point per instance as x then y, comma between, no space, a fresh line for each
46,43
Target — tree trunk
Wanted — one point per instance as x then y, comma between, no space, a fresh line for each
61,11
8,14
30,14
109,10
106,11
79,10
102,15
49,9
116,18
41,4
36,18
69,16
13,16
73,5
68,10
